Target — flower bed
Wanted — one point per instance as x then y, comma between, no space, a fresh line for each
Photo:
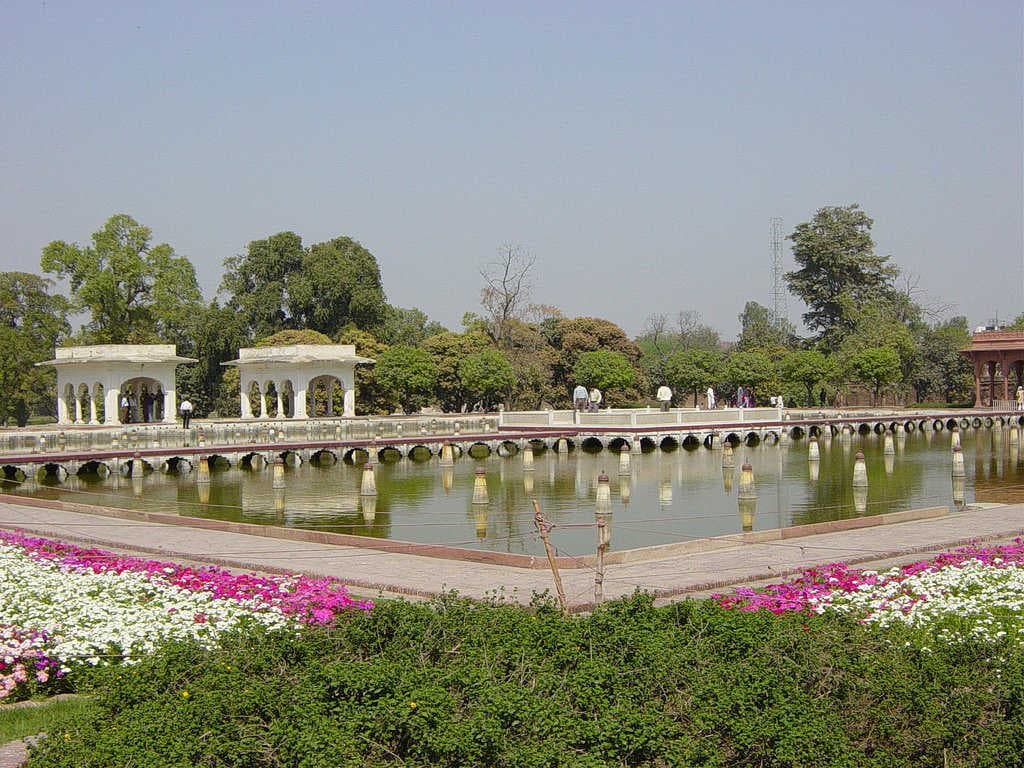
972,591
64,605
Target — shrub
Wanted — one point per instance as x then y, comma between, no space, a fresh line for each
458,683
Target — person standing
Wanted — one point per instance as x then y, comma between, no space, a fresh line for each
741,397
664,396
186,413
711,398
595,399
579,397
1020,398
126,408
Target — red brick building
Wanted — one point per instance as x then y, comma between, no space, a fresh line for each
998,358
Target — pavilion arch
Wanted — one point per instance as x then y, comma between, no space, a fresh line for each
616,444
647,445
537,445
691,442
479,450
732,439
92,379
591,445
323,458
797,432
420,453
510,448
308,380
668,444
752,439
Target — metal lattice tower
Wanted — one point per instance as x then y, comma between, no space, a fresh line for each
778,286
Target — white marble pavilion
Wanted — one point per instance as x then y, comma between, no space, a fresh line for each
88,377
299,380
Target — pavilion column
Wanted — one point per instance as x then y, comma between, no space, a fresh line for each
92,406
244,389
330,398
263,404
78,407
62,406
1006,376
350,402
137,408
112,406
280,400
977,385
170,405
300,387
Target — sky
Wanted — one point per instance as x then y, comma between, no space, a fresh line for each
638,151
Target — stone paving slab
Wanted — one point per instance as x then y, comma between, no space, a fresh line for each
369,571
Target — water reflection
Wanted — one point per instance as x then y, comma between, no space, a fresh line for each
663,496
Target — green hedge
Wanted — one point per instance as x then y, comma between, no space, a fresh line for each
456,683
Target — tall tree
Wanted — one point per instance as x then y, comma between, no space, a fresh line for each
839,269
133,291
506,289
338,283
32,323
277,284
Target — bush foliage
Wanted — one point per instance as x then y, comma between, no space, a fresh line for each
458,683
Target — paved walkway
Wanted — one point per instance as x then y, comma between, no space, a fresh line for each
370,571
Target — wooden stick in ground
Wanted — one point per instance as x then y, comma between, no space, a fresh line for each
543,528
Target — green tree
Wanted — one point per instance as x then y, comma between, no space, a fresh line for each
214,336
759,331
877,368
447,350
943,370
1017,324
486,376
134,292
753,370
408,326
806,367
371,396
32,323
338,283
409,374
609,371
693,370
571,337
255,282
277,284
839,270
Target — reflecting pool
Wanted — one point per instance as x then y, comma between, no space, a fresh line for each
663,496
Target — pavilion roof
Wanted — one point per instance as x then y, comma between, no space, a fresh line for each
294,354
117,353
996,341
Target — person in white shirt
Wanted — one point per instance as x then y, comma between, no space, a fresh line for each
711,398
595,399
186,413
664,397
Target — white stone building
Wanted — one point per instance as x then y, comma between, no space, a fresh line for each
300,380
95,377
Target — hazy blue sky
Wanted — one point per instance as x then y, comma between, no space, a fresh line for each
638,150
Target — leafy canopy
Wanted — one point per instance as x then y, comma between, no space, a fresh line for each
134,292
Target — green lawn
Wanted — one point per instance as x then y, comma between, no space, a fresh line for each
18,722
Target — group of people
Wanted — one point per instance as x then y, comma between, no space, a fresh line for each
586,401
148,401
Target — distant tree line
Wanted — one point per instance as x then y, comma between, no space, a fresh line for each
867,327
